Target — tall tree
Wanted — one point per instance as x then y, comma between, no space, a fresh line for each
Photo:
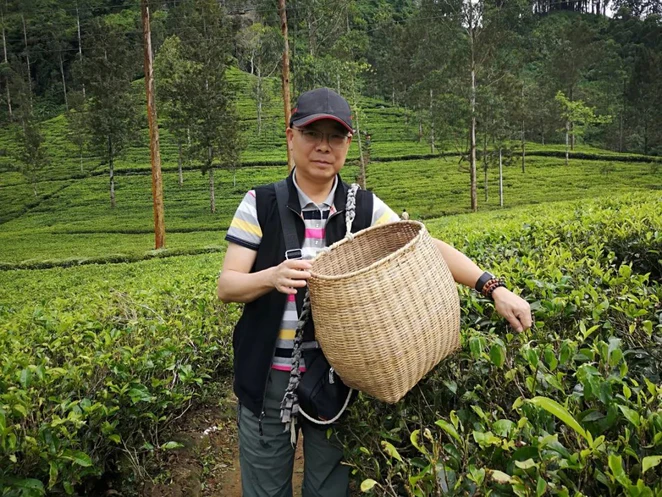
108,72
577,117
31,154
209,105
77,130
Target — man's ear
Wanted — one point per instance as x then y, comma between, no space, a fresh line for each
289,133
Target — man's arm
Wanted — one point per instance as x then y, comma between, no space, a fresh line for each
463,269
512,307
237,284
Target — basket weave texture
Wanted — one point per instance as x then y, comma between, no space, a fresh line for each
385,307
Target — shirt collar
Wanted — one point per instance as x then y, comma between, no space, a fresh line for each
305,200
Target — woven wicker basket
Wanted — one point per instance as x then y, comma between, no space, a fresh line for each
385,307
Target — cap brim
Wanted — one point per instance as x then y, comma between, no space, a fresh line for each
318,117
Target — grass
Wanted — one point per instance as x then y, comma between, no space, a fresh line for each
77,220
71,216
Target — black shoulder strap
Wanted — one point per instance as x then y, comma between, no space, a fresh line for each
292,246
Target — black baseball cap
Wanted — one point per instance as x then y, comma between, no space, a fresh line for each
321,103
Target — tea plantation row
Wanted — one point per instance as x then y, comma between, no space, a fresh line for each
572,407
77,222
95,362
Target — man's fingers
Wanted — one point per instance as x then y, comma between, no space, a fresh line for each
298,264
515,323
295,274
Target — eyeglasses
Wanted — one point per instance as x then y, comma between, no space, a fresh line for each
314,137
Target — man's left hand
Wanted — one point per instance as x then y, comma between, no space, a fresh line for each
514,308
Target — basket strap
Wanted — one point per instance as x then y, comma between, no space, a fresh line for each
350,209
289,406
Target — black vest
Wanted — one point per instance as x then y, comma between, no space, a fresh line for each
255,334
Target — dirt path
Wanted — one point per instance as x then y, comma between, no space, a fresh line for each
208,464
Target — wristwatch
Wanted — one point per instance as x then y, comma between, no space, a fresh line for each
484,278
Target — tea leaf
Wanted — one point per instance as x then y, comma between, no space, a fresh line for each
500,476
391,450
448,428
631,415
650,462
414,441
541,487
367,485
556,409
616,467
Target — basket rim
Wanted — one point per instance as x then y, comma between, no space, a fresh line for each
375,264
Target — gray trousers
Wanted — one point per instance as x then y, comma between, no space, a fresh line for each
267,460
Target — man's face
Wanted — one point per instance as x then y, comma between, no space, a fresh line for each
319,149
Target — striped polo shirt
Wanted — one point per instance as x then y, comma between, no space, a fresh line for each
245,231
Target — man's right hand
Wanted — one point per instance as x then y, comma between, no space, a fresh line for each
290,275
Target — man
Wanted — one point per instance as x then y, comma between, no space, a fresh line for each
405,215
257,272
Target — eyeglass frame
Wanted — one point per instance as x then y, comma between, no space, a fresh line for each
307,132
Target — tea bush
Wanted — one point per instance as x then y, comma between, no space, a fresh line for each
96,361
572,407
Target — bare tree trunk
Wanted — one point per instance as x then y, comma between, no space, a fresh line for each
358,134
472,143
286,74
80,44
4,48
567,140
485,166
64,83
27,57
500,178
179,163
620,124
431,125
152,120
523,134
420,128
259,102
212,193
111,169
80,155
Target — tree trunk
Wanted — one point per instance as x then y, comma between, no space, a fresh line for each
259,102
523,146
361,158
64,83
112,172
420,128
80,44
431,125
485,167
212,193
572,136
500,178
179,163
4,48
27,57
80,154
620,124
286,74
152,121
472,143
567,140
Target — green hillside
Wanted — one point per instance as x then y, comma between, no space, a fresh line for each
71,217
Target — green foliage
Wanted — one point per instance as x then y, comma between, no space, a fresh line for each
572,407
32,157
97,360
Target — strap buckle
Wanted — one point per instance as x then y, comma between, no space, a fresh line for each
293,254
